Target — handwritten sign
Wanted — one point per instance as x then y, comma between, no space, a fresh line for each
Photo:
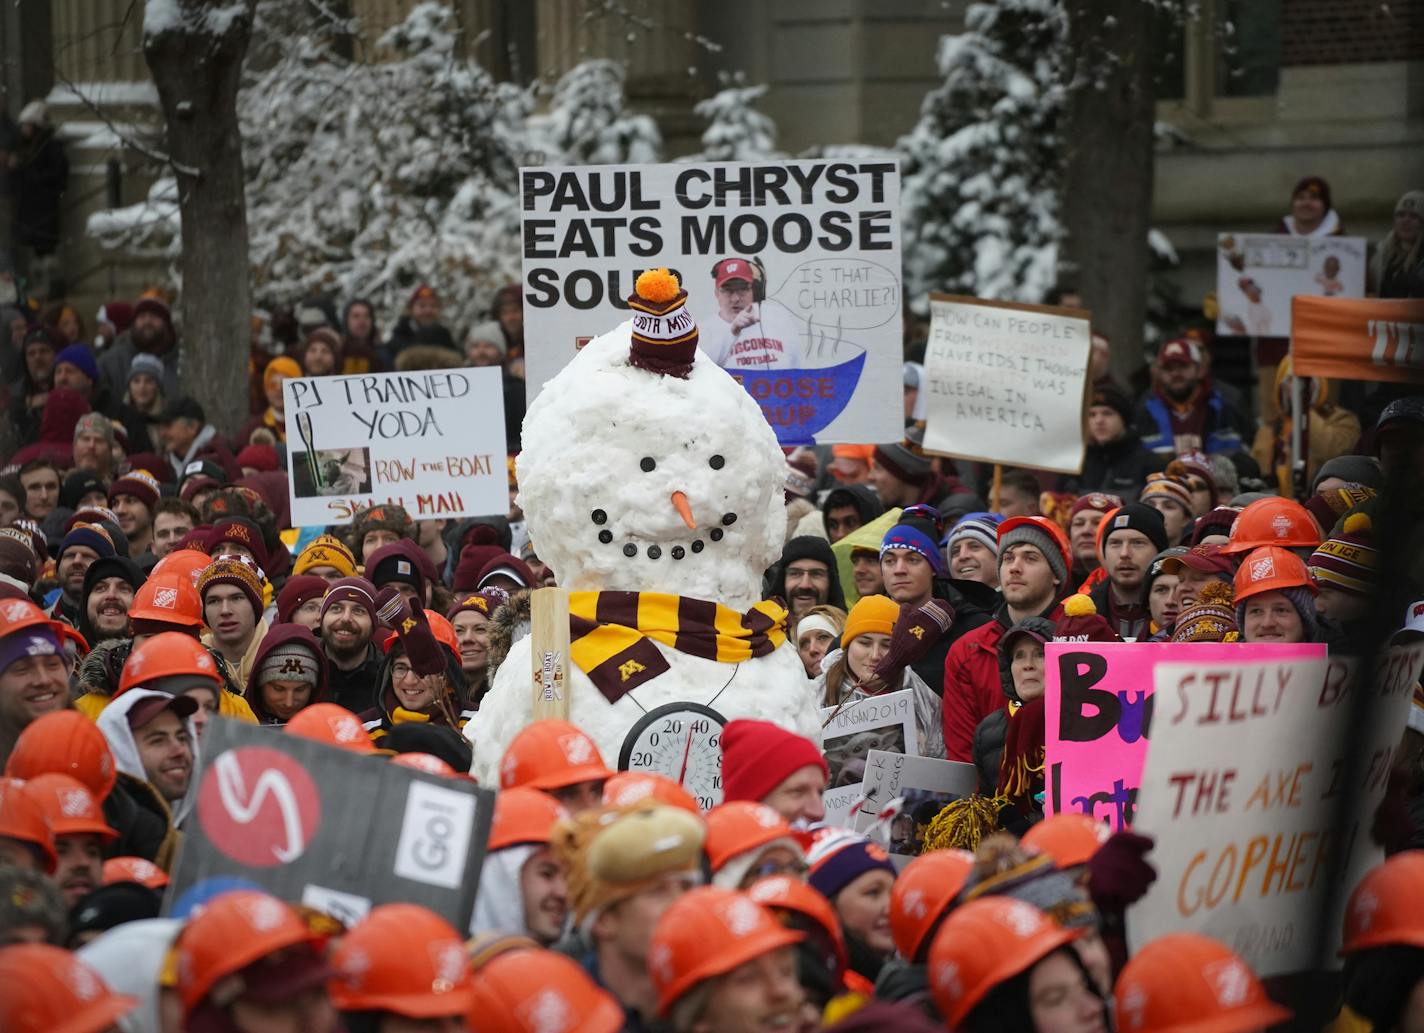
924,785
407,438
1257,275
792,270
1005,383
1098,711
849,732
1245,790
293,816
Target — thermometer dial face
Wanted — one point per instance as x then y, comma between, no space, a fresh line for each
682,741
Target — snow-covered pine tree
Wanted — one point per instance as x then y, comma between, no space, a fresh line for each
736,130
982,168
588,122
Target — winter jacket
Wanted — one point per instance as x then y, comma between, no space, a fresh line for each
1119,467
141,818
115,360
974,603
1219,433
281,635
62,411
356,688
242,670
499,903
1101,595
207,445
929,721
405,333
972,686
387,712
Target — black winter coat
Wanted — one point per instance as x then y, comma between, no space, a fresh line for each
1118,468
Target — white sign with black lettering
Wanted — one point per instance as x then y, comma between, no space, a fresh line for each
851,730
435,835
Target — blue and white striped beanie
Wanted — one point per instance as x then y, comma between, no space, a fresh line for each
982,527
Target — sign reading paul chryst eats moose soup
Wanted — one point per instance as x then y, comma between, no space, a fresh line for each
792,271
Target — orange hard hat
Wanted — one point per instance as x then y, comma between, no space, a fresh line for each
1189,983
923,895
1069,838
538,991
1273,521
70,807
1102,531
332,724
1270,569
229,933
187,563
165,655
134,869
984,943
442,629
742,825
50,990
550,754
68,743
170,598
427,762
523,815
18,614
1048,527
708,932
67,633
405,959
23,817
785,893
626,788
1387,908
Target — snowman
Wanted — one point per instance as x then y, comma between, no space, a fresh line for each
653,488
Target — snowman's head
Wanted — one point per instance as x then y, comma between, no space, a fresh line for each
635,480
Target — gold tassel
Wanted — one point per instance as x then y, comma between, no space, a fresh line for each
963,823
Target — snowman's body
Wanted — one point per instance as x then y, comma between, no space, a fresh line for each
607,446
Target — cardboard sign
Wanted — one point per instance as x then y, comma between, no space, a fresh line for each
1006,382
429,440
849,732
329,828
1098,710
842,805
792,270
924,784
1246,795
1257,275
1349,339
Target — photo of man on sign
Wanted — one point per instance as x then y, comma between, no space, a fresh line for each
756,333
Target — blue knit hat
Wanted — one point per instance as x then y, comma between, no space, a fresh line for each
80,357
982,527
90,535
914,537
837,858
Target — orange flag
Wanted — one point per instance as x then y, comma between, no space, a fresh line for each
1358,338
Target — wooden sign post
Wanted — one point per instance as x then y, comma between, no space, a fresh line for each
549,652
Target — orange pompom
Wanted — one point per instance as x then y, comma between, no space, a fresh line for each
657,285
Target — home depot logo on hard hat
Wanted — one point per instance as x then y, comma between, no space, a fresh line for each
548,1011
741,916
166,598
1263,568
1281,525
75,803
576,747
1230,981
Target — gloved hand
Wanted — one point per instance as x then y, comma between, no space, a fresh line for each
1118,874
916,631
410,624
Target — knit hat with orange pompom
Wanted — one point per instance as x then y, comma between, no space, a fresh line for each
664,333
1212,618
1347,560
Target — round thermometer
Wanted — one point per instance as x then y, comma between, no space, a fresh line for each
682,741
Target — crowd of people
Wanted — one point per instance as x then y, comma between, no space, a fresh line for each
151,584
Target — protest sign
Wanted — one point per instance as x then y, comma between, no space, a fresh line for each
925,786
1350,339
850,731
792,270
842,805
1097,712
1257,275
1245,790
429,440
294,817
1006,382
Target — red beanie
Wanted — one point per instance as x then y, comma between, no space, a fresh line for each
757,756
473,560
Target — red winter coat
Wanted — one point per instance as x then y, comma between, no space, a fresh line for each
972,689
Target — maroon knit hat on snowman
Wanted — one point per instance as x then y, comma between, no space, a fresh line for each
757,756
664,333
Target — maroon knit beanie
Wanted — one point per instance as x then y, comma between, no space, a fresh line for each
757,756
298,590
474,557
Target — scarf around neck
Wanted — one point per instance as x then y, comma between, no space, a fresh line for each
612,634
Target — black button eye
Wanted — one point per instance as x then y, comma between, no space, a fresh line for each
648,464
716,462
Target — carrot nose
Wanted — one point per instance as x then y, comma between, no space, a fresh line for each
679,503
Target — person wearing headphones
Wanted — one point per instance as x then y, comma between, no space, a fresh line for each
754,334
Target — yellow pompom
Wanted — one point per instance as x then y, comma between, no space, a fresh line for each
1357,523
1078,606
842,1006
657,285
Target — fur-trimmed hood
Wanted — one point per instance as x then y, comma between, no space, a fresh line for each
508,625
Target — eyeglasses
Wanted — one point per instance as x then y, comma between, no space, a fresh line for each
796,869
400,672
